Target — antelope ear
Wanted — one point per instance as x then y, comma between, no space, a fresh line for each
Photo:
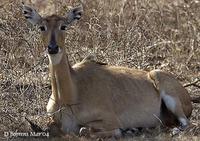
74,14
31,14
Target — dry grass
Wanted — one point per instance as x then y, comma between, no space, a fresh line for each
142,34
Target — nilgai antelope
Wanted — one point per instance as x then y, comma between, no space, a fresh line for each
102,97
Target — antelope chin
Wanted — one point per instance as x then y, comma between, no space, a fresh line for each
55,59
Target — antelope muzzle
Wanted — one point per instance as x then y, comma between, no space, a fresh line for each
53,47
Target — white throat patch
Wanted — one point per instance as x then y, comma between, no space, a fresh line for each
55,59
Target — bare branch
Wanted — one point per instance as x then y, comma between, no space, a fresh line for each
196,99
193,83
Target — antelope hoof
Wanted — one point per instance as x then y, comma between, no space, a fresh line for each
130,132
184,124
175,131
84,132
183,127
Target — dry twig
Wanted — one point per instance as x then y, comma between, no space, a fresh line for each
193,83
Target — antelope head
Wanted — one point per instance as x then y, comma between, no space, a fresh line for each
52,28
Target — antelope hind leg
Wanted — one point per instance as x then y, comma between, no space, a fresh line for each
173,104
173,95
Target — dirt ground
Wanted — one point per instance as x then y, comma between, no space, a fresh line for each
142,34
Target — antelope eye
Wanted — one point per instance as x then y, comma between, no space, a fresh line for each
63,27
42,28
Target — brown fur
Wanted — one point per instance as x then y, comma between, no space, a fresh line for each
106,98
165,81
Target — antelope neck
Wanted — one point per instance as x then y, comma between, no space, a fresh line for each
63,85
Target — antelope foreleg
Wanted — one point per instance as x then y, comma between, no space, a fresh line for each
99,133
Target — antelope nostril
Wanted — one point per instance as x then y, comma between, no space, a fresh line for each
53,49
